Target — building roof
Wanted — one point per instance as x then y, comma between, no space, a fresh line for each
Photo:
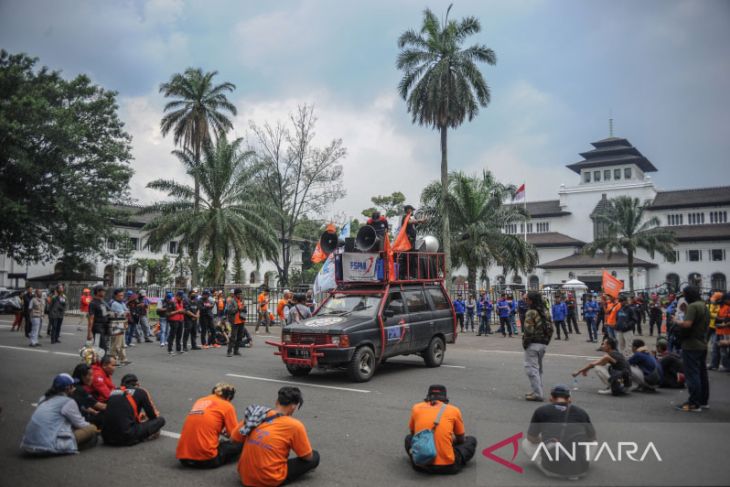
692,198
553,239
581,260
543,209
701,233
128,216
610,152
602,205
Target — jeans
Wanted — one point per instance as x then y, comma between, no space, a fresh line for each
35,330
164,330
131,333
144,324
513,323
175,333
695,373
714,350
534,354
462,454
592,331
504,326
561,324
610,331
469,322
55,324
484,327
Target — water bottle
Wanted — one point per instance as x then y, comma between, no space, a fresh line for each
575,383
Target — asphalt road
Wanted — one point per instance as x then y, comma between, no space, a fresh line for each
357,428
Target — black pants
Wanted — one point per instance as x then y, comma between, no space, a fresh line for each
191,332
558,325
28,324
504,324
655,319
174,334
207,330
640,316
460,320
572,324
296,467
138,433
462,454
228,452
55,325
238,332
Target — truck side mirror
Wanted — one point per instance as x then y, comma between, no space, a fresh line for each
388,313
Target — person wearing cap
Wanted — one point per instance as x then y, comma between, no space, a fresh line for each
453,448
131,417
161,310
99,324
175,318
210,418
57,426
207,315
263,310
236,316
192,314
560,421
268,436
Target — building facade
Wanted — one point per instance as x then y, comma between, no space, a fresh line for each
561,227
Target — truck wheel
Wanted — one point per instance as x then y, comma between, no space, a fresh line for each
434,354
362,366
298,370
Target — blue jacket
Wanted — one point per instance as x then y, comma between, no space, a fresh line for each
481,307
590,309
503,308
560,311
522,306
459,306
646,362
470,309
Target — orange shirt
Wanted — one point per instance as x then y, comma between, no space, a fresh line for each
85,301
203,426
723,314
424,414
611,312
280,309
266,450
263,302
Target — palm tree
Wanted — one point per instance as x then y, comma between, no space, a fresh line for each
477,216
196,111
624,229
231,220
442,83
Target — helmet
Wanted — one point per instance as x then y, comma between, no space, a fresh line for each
168,295
86,290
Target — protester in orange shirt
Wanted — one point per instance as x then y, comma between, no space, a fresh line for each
453,448
281,306
211,416
612,308
269,435
263,310
84,308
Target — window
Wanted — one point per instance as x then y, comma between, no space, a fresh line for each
135,243
695,279
607,175
438,298
587,177
416,301
617,174
533,283
694,255
676,257
172,247
111,244
676,219
529,228
596,176
627,173
543,227
396,304
673,282
696,218
718,217
718,281
510,228
717,255
516,279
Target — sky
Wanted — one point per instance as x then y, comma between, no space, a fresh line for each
660,67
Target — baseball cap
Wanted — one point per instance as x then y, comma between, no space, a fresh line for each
560,390
180,293
129,380
168,294
62,381
238,290
437,392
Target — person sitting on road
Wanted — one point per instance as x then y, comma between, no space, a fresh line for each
131,416
91,408
612,369
211,416
645,369
269,435
453,448
559,422
672,367
57,427
101,381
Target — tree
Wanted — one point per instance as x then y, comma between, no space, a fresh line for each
624,228
159,271
477,216
298,179
196,111
230,217
64,162
442,84
388,205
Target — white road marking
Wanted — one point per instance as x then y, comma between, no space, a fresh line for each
67,354
453,366
24,349
305,384
170,434
547,354
10,326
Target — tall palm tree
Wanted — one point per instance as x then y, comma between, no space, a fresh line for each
477,216
442,83
231,220
626,230
197,109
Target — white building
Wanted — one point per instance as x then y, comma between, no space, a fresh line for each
127,274
560,228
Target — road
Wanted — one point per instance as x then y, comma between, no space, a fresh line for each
357,428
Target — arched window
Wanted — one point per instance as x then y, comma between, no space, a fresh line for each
718,282
533,283
131,276
516,279
694,279
58,268
673,282
269,279
254,277
571,275
501,280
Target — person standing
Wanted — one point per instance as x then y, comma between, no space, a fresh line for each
722,330
536,335
207,314
236,316
143,308
471,306
624,326
84,302
559,312
572,314
56,312
694,350
636,308
484,309
99,319
512,314
133,321
522,309
590,313
282,306
36,308
309,300
119,322
192,314
655,315
27,298
263,310
175,318
611,309
459,309
504,310
162,306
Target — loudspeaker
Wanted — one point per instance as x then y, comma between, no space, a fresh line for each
350,244
367,239
328,242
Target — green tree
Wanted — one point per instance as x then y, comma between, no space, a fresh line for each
477,216
159,271
442,84
625,228
388,205
64,162
197,109
230,217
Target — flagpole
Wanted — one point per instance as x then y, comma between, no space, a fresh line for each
524,202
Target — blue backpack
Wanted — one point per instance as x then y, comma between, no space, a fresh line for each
423,446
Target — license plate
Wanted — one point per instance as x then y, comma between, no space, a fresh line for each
298,353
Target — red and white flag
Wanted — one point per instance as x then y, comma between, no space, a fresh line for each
520,194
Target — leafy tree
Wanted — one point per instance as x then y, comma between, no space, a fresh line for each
442,84
388,205
197,109
159,271
298,178
64,162
230,216
477,216
238,273
625,228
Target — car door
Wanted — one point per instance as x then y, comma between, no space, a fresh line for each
443,318
420,319
397,335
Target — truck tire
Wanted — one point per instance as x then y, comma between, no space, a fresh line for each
434,353
298,370
362,366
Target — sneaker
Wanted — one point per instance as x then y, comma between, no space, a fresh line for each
204,347
533,397
688,408
705,406
185,349
604,391
162,345
215,345
236,353
229,354
195,348
147,340
171,353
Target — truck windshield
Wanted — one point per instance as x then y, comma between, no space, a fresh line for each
350,304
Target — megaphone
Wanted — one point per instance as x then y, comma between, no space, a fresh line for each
328,242
367,238
427,243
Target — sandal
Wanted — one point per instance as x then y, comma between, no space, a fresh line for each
532,397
